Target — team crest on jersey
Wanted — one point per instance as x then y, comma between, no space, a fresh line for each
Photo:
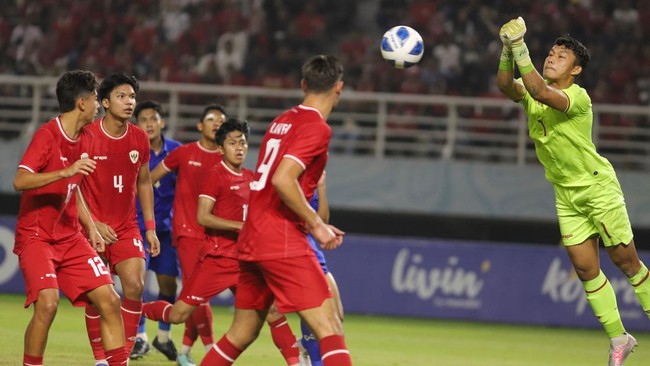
84,155
134,155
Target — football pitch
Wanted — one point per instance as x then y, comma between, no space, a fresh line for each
373,341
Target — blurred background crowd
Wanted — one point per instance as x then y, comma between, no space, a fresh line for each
263,42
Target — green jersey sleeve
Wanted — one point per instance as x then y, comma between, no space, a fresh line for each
563,140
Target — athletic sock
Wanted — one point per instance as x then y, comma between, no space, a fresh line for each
165,327
117,357
310,343
285,340
157,310
93,328
334,351
131,313
602,299
203,322
642,288
142,329
223,353
190,334
32,360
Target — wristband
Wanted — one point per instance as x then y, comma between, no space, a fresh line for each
506,62
522,58
150,225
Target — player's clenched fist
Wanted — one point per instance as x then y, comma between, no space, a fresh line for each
512,33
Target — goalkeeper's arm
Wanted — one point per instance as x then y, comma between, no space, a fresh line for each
506,82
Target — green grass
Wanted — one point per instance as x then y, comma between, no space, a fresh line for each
373,341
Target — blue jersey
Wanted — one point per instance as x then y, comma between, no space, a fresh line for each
163,190
314,246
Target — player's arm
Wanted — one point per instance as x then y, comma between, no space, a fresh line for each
323,204
85,218
506,82
158,172
26,179
512,33
145,196
285,182
206,219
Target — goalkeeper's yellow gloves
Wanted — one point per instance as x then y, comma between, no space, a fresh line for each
512,36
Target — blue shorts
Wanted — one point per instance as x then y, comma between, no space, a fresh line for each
166,263
319,254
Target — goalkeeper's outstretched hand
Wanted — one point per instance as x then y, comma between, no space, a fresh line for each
512,33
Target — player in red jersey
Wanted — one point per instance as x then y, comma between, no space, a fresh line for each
222,206
191,162
121,151
273,244
53,253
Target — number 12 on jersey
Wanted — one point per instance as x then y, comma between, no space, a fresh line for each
271,153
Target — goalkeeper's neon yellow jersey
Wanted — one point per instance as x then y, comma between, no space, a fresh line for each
563,140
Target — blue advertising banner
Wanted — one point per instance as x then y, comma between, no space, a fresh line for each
510,283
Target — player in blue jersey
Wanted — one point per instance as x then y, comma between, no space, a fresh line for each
149,117
310,351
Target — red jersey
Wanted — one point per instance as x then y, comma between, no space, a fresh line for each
191,163
230,192
111,189
273,230
50,212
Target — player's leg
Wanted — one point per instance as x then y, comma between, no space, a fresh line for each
41,289
282,336
251,306
107,303
39,326
131,272
187,257
141,346
167,270
310,296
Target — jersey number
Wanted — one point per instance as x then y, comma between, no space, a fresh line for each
117,183
138,243
98,266
272,148
245,209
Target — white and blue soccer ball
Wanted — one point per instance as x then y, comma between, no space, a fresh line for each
402,47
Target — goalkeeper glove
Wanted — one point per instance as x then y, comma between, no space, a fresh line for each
512,33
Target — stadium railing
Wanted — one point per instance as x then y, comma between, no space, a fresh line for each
364,124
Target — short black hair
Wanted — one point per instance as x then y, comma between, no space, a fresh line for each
231,124
112,81
321,73
212,107
149,104
579,50
72,85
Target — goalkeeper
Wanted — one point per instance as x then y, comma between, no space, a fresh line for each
589,201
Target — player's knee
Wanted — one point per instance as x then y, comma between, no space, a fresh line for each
133,288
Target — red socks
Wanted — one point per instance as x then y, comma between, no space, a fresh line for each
131,312
334,352
285,340
157,310
223,353
93,328
117,357
32,360
203,322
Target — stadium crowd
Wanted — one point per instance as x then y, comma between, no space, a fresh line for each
258,42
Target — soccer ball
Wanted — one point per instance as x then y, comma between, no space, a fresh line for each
402,47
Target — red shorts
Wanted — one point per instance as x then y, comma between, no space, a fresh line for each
126,247
71,265
187,249
296,283
211,277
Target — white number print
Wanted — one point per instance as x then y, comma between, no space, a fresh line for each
272,148
138,243
245,209
117,183
98,266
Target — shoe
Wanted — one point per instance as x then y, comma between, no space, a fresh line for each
617,355
184,360
140,349
168,349
101,364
